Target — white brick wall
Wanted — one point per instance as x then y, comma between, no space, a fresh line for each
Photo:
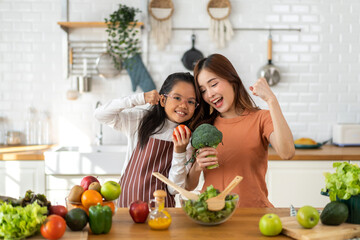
320,70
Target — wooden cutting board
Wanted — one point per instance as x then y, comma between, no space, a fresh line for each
68,235
293,229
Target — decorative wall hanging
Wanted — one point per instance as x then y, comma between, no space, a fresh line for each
220,27
160,20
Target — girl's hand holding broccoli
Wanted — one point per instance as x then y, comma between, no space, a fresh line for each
152,97
181,138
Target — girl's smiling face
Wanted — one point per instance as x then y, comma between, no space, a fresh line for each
218,93
180,102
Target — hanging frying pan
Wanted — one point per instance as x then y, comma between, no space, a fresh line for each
191,56
269,71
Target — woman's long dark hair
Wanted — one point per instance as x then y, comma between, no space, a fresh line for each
154,120
222,67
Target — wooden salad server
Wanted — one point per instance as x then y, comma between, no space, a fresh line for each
217,203
183,192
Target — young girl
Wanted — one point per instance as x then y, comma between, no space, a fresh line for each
151,145
247,131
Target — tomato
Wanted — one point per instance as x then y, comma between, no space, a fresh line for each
58,210
178,129
53,228
90,198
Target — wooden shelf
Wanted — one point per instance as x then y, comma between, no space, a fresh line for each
68,25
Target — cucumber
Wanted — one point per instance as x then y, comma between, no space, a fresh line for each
334,213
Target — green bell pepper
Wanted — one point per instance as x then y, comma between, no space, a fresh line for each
100,219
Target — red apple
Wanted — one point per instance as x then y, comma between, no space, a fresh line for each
58,210
86,181
139,210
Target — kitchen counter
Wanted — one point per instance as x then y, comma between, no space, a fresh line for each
327,152
31,152
244,224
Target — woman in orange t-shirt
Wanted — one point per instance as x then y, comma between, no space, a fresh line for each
247,131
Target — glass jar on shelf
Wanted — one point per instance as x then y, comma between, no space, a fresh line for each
159,218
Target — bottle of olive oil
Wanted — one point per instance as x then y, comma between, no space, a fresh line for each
159,219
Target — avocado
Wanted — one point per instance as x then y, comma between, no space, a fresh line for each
76,219
334,213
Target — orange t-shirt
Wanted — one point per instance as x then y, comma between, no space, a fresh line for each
244,152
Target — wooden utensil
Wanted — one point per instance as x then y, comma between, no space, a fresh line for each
217,203
185,193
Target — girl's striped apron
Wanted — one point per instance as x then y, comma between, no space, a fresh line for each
137,182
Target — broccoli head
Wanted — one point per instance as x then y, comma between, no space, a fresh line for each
205,135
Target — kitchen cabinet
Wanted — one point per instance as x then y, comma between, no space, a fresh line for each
59,186
297,182
17,177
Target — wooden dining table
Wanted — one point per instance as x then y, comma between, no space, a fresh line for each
243,224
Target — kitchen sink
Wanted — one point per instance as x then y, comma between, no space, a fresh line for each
89,159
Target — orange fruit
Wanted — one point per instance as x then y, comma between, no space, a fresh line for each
111,205
90,198
80,206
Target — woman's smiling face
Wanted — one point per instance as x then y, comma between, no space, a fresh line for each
217,92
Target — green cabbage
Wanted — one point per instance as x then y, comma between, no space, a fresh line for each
344,183
20,222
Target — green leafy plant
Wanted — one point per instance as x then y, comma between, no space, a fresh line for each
344,183
123,41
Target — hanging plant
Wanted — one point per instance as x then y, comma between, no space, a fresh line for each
123,40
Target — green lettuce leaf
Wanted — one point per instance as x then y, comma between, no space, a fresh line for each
20,222
344,183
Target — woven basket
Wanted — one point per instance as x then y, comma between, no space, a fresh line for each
219,4
165,4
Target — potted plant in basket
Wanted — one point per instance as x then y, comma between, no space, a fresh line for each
344,186
124,46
